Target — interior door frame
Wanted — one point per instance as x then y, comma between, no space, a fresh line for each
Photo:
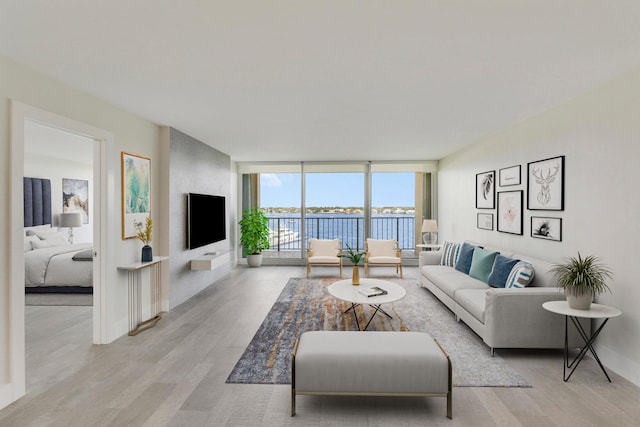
105,144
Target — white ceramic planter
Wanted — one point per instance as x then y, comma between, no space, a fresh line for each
254,260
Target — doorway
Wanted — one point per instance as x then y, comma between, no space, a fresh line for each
23,115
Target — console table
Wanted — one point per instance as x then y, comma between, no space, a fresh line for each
597,311
134,272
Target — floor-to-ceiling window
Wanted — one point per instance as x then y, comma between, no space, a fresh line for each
334,207
349,201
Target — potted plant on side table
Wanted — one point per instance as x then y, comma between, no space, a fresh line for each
254,235
144,235
582,279
355,258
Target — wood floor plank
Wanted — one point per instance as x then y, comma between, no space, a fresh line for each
174,374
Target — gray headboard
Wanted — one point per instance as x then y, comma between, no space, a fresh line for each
37,201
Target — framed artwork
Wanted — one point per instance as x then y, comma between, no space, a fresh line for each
545,184
546,228
485,221
75,197
136,193
486,190
510,211
509,176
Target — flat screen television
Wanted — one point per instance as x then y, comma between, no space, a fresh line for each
206,220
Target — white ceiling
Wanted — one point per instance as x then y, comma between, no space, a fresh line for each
265,80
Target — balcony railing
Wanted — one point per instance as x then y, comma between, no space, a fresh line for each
286,231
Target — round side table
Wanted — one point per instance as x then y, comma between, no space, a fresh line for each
597,311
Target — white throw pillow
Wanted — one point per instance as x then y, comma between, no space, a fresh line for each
29,231
28,240
41,244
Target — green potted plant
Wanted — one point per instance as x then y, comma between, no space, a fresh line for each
355,258
582,279
254,235
144,235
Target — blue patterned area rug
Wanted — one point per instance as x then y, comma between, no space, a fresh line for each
305,305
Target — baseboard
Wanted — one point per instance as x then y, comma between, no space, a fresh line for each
627,368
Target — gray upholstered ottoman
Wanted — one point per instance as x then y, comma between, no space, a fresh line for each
370,364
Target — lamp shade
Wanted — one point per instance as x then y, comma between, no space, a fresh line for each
70,219
429,226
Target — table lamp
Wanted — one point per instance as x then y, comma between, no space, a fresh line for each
430,230
70,220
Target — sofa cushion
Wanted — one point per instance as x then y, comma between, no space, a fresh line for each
450,252
521,275
481,264
449,280
473,301
464,259
500,271
543,275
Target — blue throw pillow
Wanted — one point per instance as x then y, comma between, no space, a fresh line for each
464,258
481,264
502,267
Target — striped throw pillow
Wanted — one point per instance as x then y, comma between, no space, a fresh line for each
521,275
450,252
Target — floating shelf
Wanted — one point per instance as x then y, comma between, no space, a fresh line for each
211,261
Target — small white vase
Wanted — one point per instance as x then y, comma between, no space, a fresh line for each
579,302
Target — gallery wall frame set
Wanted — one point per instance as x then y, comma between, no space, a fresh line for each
485,221
486,190
510,211
136,192
509,176
545,184
547,228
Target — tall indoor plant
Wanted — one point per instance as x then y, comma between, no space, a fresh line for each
582,278
254,235
354,257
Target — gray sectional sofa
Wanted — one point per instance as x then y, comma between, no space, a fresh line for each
502,317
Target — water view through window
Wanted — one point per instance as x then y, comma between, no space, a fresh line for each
334,208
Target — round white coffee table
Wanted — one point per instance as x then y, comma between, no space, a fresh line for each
597,311
344,290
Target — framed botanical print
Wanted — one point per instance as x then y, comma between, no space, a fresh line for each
509,176
546,228
485,221
510,212
545,184
486,190
136,193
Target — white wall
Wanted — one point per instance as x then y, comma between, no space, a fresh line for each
132,134
599,133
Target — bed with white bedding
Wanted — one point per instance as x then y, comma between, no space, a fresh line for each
51,263
55,266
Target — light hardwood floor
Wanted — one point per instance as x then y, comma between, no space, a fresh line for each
174,374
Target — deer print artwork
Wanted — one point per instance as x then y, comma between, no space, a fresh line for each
544,195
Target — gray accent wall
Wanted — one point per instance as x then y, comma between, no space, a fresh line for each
195,167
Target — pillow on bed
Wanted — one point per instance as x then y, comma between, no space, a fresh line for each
30,230
48,234
28,240
41,244
54,238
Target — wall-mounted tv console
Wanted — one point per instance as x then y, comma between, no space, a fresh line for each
211,261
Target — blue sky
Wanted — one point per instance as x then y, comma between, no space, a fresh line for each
337,189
